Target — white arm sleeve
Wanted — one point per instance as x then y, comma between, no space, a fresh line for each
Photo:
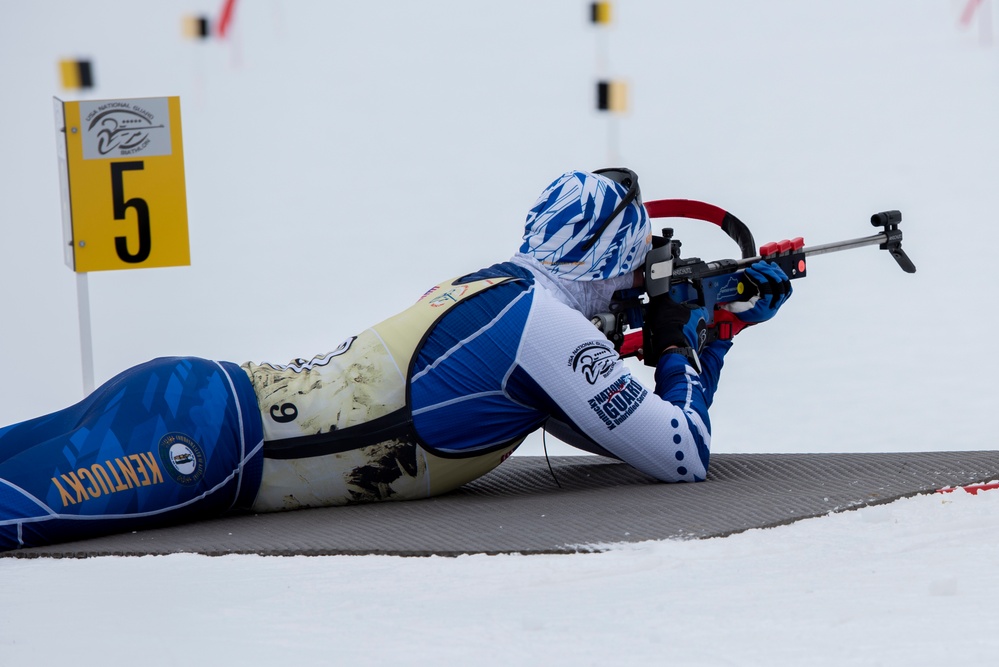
579,371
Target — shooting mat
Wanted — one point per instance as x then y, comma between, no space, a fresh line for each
519,508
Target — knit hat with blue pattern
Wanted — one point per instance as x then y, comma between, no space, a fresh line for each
576,205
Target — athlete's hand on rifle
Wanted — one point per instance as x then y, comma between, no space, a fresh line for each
668,323
772,288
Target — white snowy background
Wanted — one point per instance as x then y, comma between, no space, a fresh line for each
341,157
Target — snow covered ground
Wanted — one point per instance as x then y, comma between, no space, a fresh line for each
341,157
910,583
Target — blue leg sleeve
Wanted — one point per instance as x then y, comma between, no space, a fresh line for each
171,440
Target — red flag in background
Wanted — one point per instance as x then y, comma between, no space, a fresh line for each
969,11
225,18
982,11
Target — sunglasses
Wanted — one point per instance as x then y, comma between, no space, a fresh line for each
629,180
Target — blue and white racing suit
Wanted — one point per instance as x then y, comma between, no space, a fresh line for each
412,407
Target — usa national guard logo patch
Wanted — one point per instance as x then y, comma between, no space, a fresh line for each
594,360
183,458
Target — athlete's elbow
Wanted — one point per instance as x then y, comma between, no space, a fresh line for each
686,454
682,466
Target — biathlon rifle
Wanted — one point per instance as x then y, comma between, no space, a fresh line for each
711,284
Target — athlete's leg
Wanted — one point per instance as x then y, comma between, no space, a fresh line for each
170,440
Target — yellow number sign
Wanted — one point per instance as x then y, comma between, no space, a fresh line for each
124,204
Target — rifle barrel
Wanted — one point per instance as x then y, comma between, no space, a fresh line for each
710,269
845,245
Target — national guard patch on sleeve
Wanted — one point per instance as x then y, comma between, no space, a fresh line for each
619,401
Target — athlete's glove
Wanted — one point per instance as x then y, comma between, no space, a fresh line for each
669,323
774,289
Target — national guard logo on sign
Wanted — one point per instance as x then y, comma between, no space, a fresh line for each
124,128
183,458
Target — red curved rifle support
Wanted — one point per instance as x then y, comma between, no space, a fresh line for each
698,210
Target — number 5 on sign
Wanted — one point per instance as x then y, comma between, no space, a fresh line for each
124,204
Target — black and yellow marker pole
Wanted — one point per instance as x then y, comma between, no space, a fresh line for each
612,100
200,27
196,27
611,93
600,18
76,74
612,96
600,12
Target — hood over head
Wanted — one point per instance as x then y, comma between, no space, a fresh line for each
579,205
